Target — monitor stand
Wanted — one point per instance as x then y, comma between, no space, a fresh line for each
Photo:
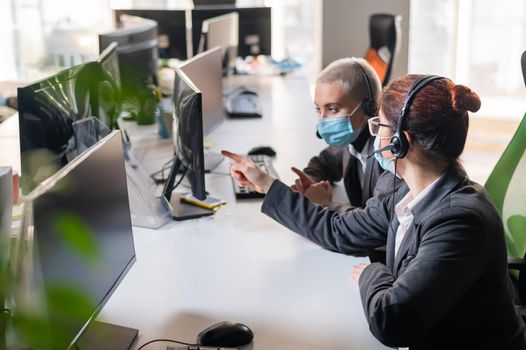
212,160
105,336
181,211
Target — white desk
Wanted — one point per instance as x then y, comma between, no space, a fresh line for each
239,264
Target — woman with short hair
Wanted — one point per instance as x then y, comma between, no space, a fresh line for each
445,284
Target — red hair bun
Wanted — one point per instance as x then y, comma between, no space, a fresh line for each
463,99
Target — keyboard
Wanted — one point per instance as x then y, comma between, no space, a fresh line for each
243,103
265,163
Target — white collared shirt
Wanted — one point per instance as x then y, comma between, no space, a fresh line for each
403,211
362,158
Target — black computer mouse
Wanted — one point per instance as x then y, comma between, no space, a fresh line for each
265,150
226,334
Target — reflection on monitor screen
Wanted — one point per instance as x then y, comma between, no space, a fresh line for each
84,240
106,101
49,111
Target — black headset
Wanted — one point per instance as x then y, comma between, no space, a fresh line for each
398,145
368,104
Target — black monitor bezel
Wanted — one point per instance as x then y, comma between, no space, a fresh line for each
195,176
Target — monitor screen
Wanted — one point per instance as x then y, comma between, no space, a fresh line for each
188,131
206,73
221,31
137,51
171,25
106,97
214,2
56,122
93,209
254,28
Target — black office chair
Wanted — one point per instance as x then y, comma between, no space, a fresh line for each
385,36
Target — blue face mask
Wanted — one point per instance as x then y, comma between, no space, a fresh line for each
337,131
386,164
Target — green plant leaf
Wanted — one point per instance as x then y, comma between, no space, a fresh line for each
77,235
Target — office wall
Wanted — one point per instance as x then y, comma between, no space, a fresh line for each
345,28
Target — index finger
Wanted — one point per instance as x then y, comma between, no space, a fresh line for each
236,157
304,177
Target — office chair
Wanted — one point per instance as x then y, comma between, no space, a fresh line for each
385,35
507,187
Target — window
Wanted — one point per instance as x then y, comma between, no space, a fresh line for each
48,35
477,43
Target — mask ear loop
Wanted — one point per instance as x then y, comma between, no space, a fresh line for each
354,110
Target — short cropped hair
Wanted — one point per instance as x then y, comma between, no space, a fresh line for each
345,71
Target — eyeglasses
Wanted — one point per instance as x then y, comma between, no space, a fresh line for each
374,125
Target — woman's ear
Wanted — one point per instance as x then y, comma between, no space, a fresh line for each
408,138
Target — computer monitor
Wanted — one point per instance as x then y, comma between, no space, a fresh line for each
137,51
221,31
56,122
214,3
188,132
106,97
205,71
84,242
171,26
254,28
188,147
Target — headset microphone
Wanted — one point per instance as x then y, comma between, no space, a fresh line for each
389,147
318,134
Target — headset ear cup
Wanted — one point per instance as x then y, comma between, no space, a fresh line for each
400,145
369,107
395,141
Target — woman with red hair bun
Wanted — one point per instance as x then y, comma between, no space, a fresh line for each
445,284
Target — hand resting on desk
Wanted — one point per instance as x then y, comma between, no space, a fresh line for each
246,173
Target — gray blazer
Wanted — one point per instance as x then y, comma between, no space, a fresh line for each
447,288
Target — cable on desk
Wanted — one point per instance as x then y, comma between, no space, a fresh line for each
181,179
166,166
165,340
